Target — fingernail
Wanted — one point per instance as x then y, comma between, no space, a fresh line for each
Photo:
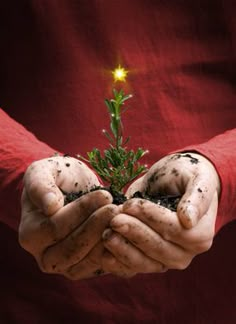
48,201
107,234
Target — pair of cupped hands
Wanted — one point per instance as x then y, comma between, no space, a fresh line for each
91,236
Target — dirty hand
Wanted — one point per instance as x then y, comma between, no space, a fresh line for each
59,236
146,237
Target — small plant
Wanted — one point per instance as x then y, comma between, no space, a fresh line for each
117,166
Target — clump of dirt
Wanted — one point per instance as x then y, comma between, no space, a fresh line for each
118,197
168,201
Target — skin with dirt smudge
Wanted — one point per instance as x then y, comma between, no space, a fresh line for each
160,239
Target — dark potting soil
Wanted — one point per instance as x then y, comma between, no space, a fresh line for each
168,201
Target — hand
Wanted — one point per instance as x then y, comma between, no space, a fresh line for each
60,236
147,237
45,180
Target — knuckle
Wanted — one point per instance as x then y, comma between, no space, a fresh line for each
48,229
31,186
24,238
50,267
92,261
204,246
164,269
181,262
71,276
106,213
31,167
42,267
156,267
34,236
182,265
126,274
160,247
171,232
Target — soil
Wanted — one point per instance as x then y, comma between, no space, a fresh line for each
118,198
168,201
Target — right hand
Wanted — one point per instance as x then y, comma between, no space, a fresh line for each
63,237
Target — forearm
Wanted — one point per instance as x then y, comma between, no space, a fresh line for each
18,148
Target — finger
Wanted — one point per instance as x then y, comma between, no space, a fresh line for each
38,231
78,244
151,243
40,183
159,218
30,226
199,238
128,256
138,185
111,265
89,267
196,200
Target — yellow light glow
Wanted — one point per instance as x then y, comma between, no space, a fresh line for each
120,74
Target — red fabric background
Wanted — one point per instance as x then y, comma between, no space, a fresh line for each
55,64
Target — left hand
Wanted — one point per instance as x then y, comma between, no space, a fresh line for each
146,237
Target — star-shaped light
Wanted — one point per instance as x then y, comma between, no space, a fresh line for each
120,74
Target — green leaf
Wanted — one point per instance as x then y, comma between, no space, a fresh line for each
118,166
111,140
110,106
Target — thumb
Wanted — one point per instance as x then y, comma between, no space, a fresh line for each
42,190
195,202
52,201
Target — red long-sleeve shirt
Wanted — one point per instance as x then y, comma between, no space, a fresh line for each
55,64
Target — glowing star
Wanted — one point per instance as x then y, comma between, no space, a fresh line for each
120,74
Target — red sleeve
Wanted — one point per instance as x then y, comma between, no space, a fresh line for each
221,151
18,148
